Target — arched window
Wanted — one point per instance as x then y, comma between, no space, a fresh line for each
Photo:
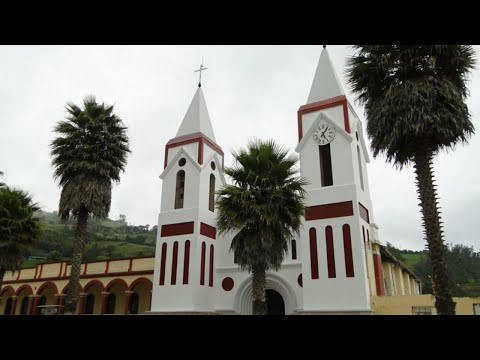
174,263
360,167
89,304
134,301
163,262
186,262
24,306
313,253
347,248
202,264
210,275
211,194
330,252
111,302
294,249
180,190
326,165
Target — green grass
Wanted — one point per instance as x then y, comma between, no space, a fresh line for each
411,259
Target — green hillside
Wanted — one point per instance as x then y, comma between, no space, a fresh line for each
463,265
106,239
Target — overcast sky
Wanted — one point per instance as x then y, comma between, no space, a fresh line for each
251,91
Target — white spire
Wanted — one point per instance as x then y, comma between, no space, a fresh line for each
197,119
325,84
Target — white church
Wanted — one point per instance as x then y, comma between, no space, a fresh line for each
333,267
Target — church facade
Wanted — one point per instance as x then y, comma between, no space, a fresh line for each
334,266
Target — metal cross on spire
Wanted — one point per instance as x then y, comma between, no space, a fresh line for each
200,71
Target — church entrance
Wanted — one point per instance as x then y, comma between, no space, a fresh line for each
275,303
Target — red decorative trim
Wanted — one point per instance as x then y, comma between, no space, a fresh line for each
81,304
128,300
364,213
347,247
114,282
35,306
92,283
138,281
66,268
36,270
330,252
227,284
202,264
85,268
177,229
60,272
300,280
31,303
313,253
329,211
107,266
208,231
294,249
163,263
377,266
210,275
173,280
103,308
88,276
19,271
61,302
41,271
5,289
320,105
189,139
130,265
45,285
186,262
21,288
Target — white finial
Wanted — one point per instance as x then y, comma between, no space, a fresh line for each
200,70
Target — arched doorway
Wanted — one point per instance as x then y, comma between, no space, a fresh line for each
89,304
275,303
8,306
134,301
111,303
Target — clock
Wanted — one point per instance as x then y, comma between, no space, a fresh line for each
324,134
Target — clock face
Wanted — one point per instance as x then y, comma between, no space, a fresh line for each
324,134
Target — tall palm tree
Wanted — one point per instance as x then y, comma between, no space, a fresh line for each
414,97
265,206
19,229
88,156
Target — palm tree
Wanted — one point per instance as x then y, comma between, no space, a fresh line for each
19,229
265,206
1,183
88,156
414,97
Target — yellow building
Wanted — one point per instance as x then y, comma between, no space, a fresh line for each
124,287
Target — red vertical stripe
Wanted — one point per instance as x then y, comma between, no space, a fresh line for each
330,252
377,265
294,250
163,261
210,275
174,263
313,253
202,265
186,262
347,246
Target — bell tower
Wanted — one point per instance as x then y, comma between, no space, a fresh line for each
333,159
183,280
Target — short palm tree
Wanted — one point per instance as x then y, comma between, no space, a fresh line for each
88,156
265,205
19,229
414,97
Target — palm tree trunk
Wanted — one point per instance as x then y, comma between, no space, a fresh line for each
427,195
78,246
258,291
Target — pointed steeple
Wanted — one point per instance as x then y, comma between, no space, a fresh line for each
197,119
325,84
